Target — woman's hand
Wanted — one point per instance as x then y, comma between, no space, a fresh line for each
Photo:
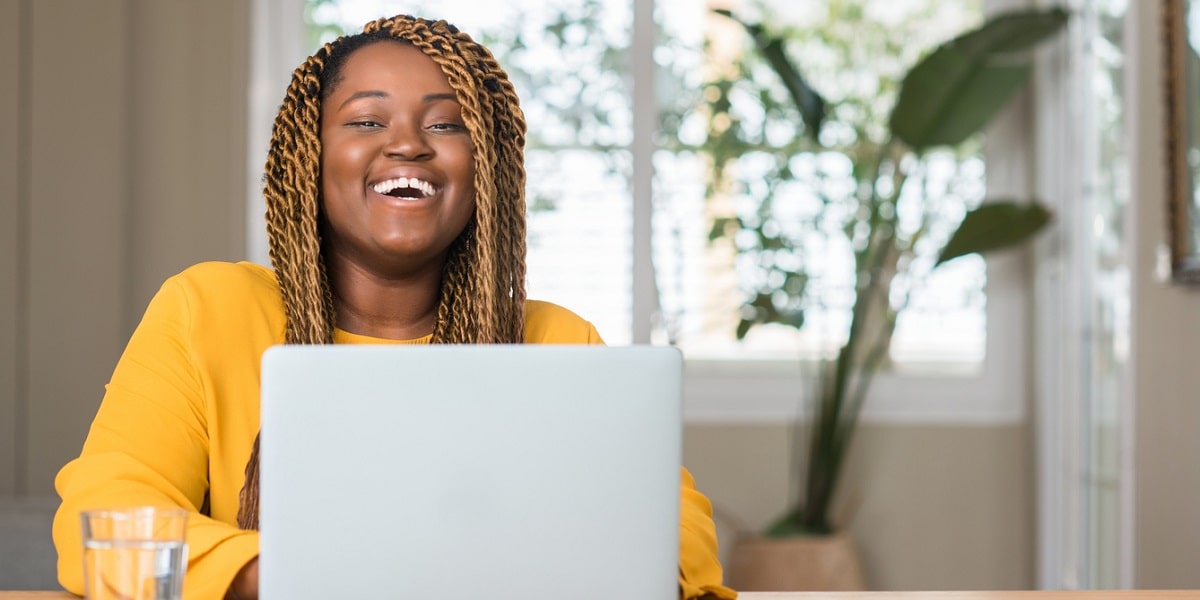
245,583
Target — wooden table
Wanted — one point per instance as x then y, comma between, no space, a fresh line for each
978,595
975,595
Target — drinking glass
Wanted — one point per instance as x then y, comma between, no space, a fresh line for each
136,553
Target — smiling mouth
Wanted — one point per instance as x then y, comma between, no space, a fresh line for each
405,187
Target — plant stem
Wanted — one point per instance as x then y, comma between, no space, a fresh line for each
836,409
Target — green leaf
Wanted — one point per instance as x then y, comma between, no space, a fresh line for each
793,524
743,328
795,283
722,227
993,226
771,242
761,310
954,92
810,103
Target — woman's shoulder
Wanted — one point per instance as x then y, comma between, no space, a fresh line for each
212,302
549,323
227,279
246,276
225,288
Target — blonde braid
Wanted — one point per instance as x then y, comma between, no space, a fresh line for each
292,193
483,283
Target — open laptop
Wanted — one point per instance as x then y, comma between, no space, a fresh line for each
464,471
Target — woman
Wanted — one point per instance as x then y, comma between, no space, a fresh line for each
395,208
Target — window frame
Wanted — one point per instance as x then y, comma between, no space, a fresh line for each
726,391
1068,394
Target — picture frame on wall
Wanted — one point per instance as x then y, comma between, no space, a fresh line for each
1181,37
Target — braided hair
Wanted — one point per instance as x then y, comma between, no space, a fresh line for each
482,297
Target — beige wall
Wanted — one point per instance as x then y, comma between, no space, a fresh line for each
77,188
1166,351
129,168
936,508
10,227
122,135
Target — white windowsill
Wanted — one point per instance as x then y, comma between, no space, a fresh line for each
768,393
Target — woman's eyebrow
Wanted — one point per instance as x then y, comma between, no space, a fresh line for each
428,98
439,97
365,94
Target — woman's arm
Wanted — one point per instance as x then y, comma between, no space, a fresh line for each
699,569
245,583
150,445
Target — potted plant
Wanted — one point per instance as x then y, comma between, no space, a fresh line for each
941,105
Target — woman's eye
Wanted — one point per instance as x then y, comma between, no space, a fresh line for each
447,126
365,124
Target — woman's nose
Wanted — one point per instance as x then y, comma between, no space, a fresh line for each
407,142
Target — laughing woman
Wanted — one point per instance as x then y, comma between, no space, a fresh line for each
396,214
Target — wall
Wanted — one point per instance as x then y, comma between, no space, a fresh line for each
121,163
1165,349
932,508
10,241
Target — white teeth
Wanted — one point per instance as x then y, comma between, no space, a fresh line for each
385,187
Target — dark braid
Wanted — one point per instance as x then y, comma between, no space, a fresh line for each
483,284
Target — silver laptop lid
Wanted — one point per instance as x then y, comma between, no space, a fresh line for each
470,472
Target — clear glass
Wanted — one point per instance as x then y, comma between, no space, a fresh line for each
134,553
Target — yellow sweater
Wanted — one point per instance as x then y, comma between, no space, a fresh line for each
182,410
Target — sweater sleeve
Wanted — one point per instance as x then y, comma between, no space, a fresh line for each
699,569
149,445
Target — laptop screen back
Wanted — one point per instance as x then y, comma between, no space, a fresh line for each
470,472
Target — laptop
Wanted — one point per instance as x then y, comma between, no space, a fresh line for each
524,471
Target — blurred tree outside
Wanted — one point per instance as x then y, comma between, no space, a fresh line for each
775,204
791,205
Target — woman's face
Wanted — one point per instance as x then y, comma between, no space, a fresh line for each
397,175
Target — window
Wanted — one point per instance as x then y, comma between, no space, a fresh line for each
1084,417
632,253
854,53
